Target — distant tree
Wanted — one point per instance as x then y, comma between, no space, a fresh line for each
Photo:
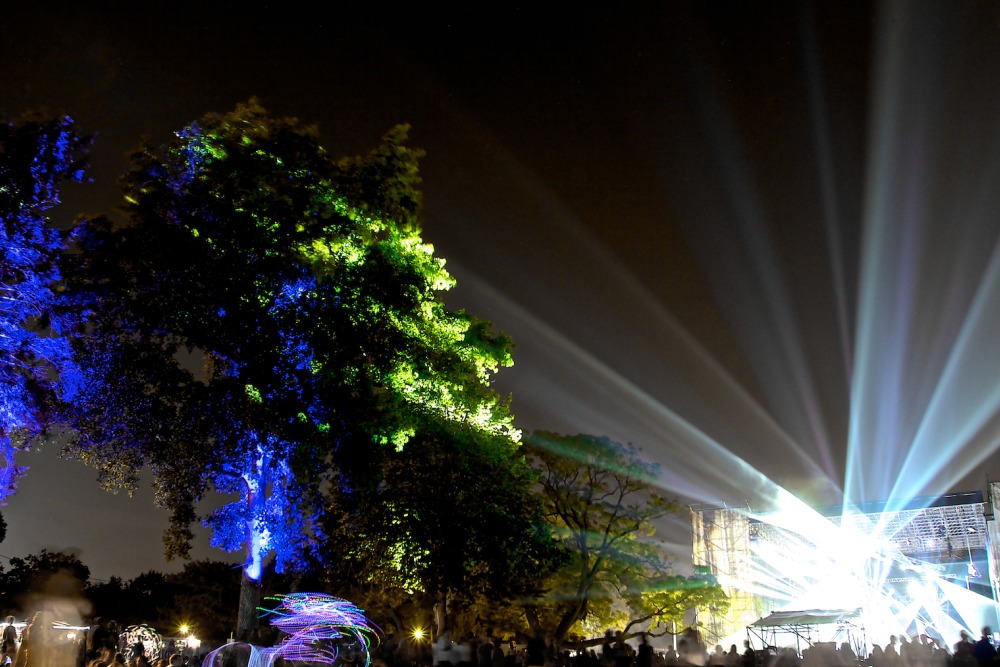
146,596
600,498
3,528
44,579
451,523
265,316
110,600
205,598
36,157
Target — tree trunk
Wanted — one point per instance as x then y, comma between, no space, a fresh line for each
570,615
248,620
440,621
442,614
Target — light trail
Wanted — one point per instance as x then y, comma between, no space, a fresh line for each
317,628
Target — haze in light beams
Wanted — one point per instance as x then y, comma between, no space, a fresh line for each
919,366
926,392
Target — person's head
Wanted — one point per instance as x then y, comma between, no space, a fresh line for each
987,631
10,620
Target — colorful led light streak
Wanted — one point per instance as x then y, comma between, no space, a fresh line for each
147,637
318,626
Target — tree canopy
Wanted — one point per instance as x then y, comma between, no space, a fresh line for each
36,157
600,497
46,580
265,316
451,522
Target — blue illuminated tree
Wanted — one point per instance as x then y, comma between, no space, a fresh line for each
36,157
268,316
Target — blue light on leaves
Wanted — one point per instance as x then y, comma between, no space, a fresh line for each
35,362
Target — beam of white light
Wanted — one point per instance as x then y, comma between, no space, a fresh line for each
976,610
879,349
624,324
695,465
925,408
828,188
826,564
637,318
966,400
754,294
914,360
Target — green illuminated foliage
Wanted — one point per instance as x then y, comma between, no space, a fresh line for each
268,318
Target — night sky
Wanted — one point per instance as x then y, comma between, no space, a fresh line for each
748,237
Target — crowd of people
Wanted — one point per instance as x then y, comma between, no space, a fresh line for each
688,651
42,643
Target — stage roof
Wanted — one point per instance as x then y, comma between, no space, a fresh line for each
807,617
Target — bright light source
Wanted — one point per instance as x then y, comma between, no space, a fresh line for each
418,633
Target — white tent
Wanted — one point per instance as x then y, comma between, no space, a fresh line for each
810,626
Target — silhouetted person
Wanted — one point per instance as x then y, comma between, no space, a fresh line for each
965,652
8,642
37,642
644,657
97,637
986,652
535,651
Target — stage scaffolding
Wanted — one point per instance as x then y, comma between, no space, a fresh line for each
721,543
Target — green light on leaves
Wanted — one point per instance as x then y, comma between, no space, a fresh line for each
254,393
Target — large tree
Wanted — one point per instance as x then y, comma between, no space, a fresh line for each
451,523
36,157
264,316
600,497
